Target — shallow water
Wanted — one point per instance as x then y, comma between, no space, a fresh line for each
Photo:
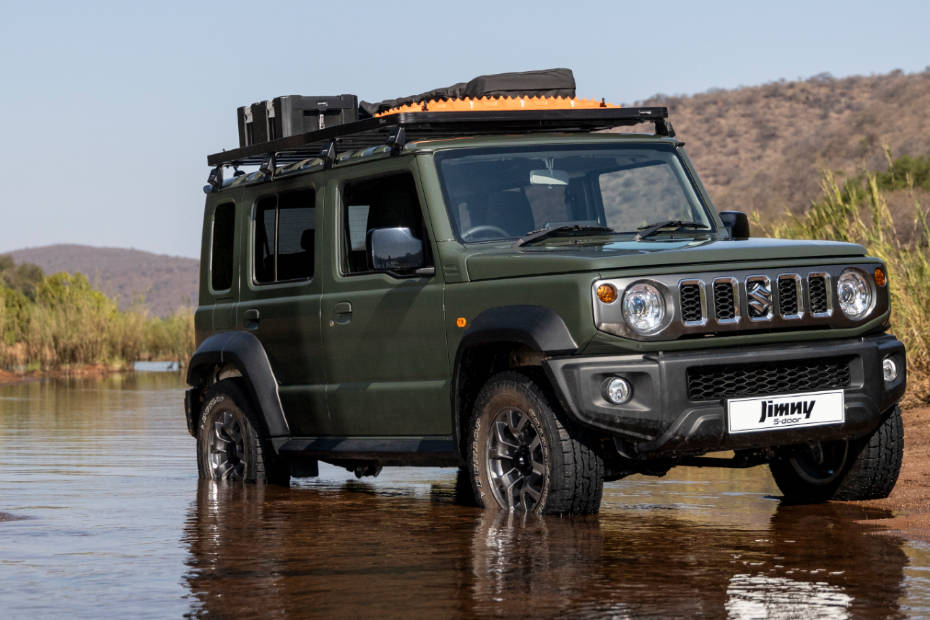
101,514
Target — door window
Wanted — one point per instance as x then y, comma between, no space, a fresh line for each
284,237
383,202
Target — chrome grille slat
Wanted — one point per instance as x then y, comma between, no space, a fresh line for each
790,296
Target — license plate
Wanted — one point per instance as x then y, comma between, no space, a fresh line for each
765,413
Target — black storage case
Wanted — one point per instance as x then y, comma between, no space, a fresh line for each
292,115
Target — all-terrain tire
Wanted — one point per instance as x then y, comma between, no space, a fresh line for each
868,469
231,443
552,467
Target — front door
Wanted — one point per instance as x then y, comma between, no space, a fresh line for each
383,335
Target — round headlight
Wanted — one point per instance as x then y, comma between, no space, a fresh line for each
644,308
854,293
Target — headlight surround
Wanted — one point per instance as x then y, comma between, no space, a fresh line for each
855,294
643,308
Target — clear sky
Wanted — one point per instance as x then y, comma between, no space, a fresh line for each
110,108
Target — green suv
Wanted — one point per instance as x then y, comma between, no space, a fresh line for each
543,304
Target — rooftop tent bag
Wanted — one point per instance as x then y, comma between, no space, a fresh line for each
291,115
541,83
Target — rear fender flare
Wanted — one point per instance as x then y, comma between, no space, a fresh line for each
245,352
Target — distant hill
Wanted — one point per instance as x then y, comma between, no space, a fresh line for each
166,283
761,148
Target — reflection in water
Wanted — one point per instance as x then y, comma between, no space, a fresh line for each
355,550
101,514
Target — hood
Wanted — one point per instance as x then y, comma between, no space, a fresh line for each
510,262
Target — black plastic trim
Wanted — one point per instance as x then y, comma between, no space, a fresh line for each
245,352
386,450
661,420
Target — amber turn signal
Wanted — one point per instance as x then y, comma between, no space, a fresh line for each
607,293
880,278
461,322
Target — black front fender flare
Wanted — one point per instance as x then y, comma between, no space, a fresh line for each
538,328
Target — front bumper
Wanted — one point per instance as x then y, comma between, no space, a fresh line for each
666,419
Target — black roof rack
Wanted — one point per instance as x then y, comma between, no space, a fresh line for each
385,130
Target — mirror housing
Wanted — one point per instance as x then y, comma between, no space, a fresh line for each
736,223
394,250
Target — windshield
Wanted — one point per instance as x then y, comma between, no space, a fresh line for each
505,193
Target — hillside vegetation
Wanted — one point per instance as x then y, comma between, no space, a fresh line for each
760,149
159,283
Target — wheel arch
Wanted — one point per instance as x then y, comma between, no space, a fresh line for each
502,338
241,354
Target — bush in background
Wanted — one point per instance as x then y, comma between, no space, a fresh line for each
61,321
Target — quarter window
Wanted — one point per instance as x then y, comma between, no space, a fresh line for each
221,252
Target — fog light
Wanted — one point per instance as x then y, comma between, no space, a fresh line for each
889,370
618,390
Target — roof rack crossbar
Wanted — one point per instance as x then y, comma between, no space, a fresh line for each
404,127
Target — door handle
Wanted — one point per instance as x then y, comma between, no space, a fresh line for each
342,312
252,317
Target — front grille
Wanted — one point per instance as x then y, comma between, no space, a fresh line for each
788,296
691,310
818,294
767,378
724,301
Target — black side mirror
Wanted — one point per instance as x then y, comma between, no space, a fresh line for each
394,250
737,224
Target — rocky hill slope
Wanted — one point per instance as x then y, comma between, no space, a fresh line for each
761,148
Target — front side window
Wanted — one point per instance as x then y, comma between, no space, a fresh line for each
284,237
505,193
381,202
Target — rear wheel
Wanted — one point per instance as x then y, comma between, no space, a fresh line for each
857,469
523,458
229,444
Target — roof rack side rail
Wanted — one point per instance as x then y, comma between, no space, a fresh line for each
403,127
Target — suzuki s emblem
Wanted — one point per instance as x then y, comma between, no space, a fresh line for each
759,296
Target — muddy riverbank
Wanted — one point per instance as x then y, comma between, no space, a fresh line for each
910,499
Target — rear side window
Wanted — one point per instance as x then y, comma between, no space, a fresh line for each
285,237
221,255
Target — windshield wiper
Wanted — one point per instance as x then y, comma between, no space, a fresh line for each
668,225
575,229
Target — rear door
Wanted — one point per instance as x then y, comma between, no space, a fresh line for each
280,300
383,335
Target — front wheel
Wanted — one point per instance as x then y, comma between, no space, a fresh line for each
229,444
523,458
857,469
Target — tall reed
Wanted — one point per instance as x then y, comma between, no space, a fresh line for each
70,323
859,212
